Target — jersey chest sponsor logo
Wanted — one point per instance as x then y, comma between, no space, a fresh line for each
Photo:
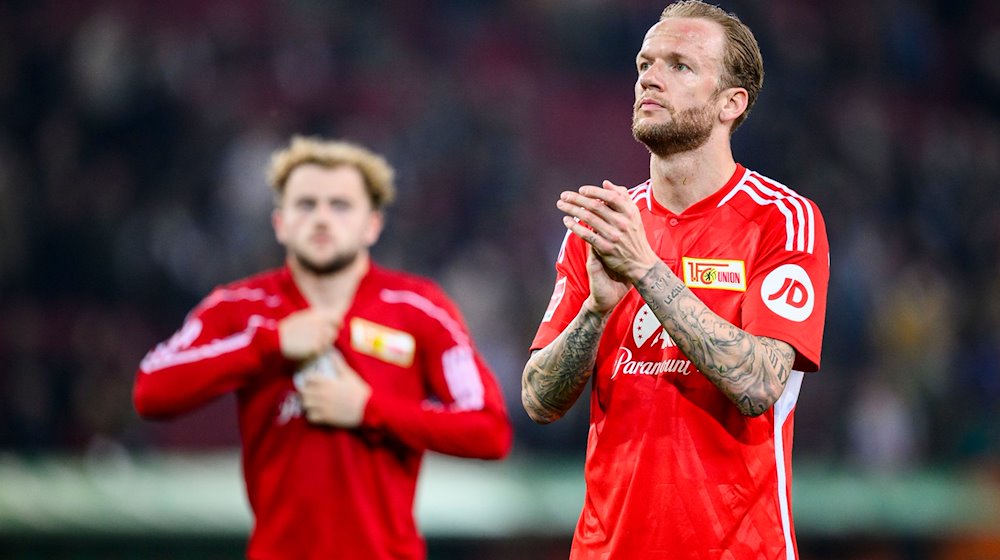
649,337
714,274
382,342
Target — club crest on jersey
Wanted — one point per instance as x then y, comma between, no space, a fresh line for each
714,274
645,325
379,341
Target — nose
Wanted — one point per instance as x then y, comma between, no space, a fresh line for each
651,77
324,214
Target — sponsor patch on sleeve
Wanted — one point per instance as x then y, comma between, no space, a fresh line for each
715,274
788,291
384,343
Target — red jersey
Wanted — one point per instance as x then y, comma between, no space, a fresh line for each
319,492
673,469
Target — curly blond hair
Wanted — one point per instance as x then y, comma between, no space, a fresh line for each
379,176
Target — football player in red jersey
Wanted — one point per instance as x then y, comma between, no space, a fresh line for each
345,372
693,303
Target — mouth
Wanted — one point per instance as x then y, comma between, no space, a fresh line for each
321,238
649,104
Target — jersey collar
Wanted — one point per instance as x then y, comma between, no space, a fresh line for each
707,204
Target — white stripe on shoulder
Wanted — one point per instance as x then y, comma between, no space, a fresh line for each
562,248
240,294
458,362
433,311
798,212
809,220
178,350
641,193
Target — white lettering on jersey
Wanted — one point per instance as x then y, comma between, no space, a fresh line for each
289,408
788,291
625,365
646,328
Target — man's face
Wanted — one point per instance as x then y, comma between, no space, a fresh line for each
325,218
676,94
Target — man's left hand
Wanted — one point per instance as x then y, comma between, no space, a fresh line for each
615,228
337,400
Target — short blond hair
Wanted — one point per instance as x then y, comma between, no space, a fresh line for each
742,64
378,175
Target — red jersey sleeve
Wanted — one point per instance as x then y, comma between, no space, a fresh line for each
467,416
571,289
786,292
214,352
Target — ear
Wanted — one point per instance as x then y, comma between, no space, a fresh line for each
376,221
278,223
733,103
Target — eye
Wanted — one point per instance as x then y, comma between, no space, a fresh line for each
643,66
681,67
340,205
305,204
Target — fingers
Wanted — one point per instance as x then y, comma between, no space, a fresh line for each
590,203
340,364
583,232
307,333
613,196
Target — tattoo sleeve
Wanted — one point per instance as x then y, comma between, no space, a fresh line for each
750,370
555,376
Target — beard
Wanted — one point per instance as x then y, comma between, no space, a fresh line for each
688,130
332,265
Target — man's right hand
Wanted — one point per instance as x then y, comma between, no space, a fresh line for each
606,288
306,334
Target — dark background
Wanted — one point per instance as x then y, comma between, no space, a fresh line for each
134,137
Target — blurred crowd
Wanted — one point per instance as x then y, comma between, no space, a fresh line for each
134,138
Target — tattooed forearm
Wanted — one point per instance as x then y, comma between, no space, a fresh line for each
658,284
750,370
555,376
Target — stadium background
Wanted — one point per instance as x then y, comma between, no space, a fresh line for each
132,141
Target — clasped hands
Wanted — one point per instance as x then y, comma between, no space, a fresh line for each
608,220
337,400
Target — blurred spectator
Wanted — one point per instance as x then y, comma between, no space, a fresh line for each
132,138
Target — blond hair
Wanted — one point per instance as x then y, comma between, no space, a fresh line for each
376,171
742,64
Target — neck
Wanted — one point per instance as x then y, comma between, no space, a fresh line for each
334,290
680,180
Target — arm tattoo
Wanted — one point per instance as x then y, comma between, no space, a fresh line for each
555,376
750,370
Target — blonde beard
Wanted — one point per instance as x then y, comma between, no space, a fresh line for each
687,130
332,266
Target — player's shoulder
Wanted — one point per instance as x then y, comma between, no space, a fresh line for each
777,208
762,198
642,195
263,287
404,281
412,294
